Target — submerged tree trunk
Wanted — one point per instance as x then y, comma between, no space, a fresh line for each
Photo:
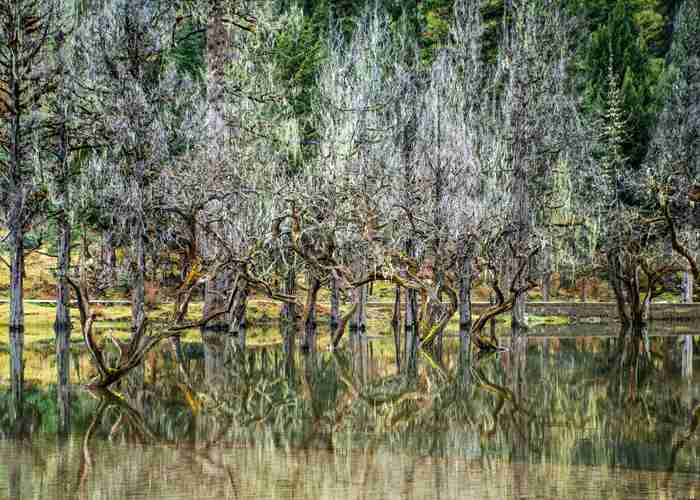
411,325
547,274
465,314
62,325
62,321
396,326
237,323
520,215
288,322
17,276
335,306
614,274
687,357
358,320
688,286
215,296
17,313
314,285
138,290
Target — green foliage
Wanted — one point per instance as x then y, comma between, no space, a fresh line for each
627,37
188,52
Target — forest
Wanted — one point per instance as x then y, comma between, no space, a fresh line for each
296,150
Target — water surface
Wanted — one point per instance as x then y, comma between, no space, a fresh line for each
553,417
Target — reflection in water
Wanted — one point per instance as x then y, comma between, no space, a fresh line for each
687,356
548,418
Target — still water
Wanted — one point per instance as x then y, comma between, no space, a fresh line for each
552,417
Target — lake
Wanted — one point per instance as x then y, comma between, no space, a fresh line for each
554,416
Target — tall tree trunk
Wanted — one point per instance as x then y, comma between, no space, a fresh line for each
547,275
219,52
62,321
520,209
17,313
138,291
17,276
396,326
288,322
62,326
465,314
411,325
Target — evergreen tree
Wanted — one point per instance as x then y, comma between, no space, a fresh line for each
616,42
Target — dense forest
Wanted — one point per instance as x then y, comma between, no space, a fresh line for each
227,149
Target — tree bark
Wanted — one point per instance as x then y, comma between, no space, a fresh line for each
396,327
335,306
17,314
138,290
465,314
215,293
62,321
547,274
688,285
288,322
358,320
108,254
62,325
411,325
219,52
17,276
237,322
314,285
614,273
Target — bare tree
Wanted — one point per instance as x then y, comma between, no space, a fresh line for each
27,28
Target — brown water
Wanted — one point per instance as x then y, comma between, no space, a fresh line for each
548,419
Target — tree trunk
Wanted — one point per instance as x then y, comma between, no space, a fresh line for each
396,327
314,285
520,215
219,49
108,254
411,333
237,322
358,323
335,306
614,273
17,313
62,325
547,273
465,315
546,286
215,297
688,286
62,321
138,290
288,322
17,276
